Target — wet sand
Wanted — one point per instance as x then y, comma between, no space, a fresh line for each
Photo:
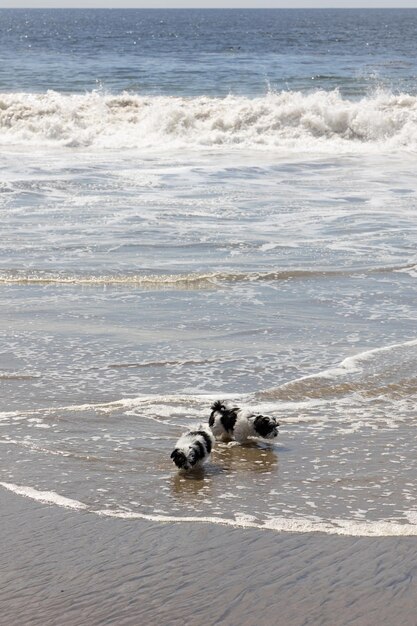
65,567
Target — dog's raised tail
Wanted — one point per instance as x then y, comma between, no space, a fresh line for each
218,406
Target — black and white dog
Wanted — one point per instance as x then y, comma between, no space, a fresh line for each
230,422
193,448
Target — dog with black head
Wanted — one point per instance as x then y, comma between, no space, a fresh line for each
228,422
193,449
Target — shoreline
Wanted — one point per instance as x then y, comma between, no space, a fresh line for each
67,567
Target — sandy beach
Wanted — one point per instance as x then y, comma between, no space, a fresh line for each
62,567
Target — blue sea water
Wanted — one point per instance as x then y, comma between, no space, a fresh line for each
208,52
200,204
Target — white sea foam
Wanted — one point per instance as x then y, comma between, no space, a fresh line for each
348,527
318,121
46,497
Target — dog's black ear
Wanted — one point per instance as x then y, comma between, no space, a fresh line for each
263,425
179,458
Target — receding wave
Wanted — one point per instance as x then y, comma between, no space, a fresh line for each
383,528
319,120
196,280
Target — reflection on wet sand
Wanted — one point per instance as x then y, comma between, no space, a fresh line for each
198,482
259,458
253,457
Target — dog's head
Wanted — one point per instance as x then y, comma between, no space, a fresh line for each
180,459
266,427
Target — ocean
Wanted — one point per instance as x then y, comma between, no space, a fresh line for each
201,205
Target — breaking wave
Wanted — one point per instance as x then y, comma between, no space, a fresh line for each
320,120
